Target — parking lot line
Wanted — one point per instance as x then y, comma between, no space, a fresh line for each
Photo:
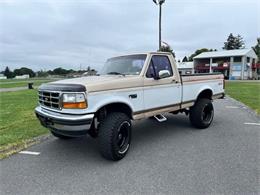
258,124
232,107
29,152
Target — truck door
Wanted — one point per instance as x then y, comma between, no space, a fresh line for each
161,93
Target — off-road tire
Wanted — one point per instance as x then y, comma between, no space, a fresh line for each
202,113
109,133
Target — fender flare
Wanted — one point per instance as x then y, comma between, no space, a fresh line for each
202,89
113,100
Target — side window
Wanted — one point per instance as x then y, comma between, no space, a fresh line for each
150,71
157,64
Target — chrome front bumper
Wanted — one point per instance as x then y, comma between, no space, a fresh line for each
67,124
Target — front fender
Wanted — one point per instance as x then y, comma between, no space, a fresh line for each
96,102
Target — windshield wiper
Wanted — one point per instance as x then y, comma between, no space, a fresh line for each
116,73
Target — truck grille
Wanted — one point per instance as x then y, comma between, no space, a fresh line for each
49,99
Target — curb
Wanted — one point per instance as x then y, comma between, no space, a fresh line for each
246,108
12,149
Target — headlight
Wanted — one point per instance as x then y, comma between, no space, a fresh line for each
74,100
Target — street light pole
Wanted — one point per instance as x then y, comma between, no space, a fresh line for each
160,26
160,2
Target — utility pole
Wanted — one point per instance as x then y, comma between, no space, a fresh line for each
160,2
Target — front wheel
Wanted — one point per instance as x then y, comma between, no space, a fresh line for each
115,136
202,113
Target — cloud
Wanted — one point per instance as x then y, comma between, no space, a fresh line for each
49,34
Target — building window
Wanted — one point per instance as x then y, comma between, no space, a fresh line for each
238,59
236,67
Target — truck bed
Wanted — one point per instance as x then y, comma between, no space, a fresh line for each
195,83
201,77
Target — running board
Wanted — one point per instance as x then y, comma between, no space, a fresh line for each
160,118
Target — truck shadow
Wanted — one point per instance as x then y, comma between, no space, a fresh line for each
152,129
144,134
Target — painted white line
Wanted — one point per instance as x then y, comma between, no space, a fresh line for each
258,124
232,107
29,152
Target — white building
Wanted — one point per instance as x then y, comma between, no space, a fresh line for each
25,76
2,76
234,64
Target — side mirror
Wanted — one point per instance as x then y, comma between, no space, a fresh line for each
164,74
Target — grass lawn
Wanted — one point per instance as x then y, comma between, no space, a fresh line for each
9,83
17,119
246,92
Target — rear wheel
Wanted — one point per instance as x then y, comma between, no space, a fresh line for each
115,136
202,113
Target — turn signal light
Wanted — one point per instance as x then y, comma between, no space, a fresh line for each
73,105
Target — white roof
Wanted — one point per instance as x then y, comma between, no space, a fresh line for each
185,65
227,53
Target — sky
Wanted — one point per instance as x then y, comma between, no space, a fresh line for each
46,34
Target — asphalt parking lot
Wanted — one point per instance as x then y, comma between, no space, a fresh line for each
167,158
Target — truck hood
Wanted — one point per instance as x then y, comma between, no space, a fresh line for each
104,82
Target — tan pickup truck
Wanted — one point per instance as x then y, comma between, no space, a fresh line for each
128,88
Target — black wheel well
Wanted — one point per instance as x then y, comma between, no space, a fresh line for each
114,107
207,93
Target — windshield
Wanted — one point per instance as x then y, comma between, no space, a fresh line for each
125,65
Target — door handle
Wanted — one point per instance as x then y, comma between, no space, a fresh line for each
132,96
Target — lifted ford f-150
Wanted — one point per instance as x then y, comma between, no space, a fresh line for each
128,88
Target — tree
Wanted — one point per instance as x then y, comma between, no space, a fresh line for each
185,59
234,42
166,48
60,71
8,73
23,71
42,73
50,72
199,51
257,49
